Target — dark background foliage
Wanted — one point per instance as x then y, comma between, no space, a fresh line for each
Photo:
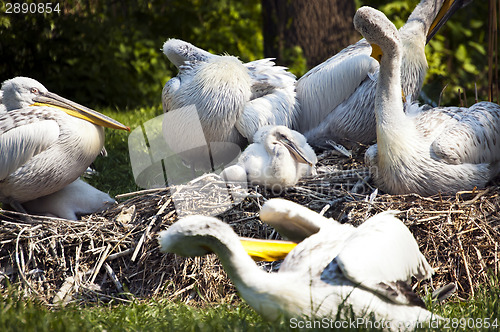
108,53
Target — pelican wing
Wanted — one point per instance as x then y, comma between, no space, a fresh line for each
473,137
292,220
273,98
327,85
278,108
19,142
382,251
168,92
267,77
176,91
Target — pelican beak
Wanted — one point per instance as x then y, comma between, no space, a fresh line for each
267,250
295,151
376,52
448,8
53,100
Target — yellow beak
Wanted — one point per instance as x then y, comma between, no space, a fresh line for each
448,8
74,109
376,52
267,250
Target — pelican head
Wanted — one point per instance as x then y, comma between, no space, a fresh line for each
192,238
21,92
179,51
278,137
278,158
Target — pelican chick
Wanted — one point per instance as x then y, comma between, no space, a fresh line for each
337,97
425,150
278,158
76,199
47,141
336,269
232,99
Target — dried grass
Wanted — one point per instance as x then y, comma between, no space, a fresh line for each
114,254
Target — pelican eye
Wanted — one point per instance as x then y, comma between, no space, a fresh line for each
34,90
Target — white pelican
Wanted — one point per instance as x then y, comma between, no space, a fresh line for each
337,97
425,150
46,141
232,99
76,199
3,109
278,157
338,268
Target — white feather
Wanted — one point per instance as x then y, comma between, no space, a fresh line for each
77,198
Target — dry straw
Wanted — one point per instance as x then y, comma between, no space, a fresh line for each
114,255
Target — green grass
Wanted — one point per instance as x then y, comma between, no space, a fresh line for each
26,315
18,314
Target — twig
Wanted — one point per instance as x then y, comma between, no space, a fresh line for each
444,212
106,295
179,292
441,95
146,232
496,260
113,277
481,260
462,252
479,195
121,254
21,272
99,264
140,192
77,258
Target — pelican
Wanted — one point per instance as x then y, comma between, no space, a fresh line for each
337,268
46,141
76,199
278,157
337,97
425,150
3,109
232,99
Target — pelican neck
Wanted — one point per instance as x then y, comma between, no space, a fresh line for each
239,266
388,99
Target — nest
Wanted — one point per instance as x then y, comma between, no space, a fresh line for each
114,255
